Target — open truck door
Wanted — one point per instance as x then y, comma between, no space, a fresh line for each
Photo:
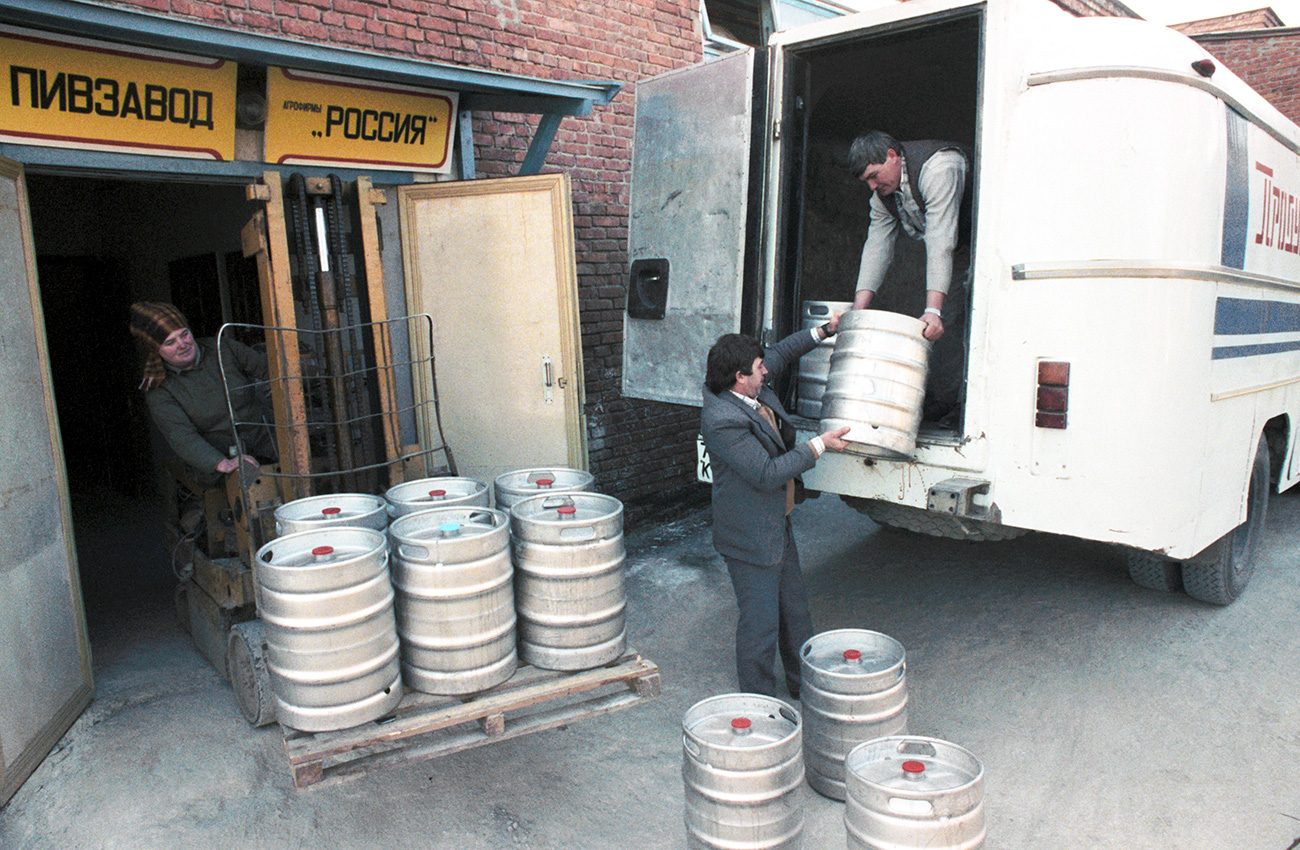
691,241
45,679
492,262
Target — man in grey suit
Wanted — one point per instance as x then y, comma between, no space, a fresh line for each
754,468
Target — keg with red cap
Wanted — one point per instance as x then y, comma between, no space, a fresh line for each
909,792
455,601
742,767
511,487
332,648
429,493
332,511
854,689
569,591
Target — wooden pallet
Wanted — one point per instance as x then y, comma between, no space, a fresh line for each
424,726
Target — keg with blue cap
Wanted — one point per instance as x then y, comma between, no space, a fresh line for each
455,600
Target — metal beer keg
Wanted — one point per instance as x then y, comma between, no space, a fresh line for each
455,603
512,487
876,383
815,366
742,767
428,493
909,792
332,648
358,510
569,580
854,689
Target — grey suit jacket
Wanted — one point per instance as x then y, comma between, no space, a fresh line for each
750,465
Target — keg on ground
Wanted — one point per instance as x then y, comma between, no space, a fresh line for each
511,487
569,590
742,767
332,648
815,366
910,792
854,689
332,511
876,382
455,600
428,493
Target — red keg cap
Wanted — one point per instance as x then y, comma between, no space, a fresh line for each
323,550
740,723
566,510
852,655
914,767
437,493
544,482
332,511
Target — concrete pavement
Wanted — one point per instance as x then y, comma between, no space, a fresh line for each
1106,715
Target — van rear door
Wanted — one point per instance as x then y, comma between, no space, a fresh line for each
690,241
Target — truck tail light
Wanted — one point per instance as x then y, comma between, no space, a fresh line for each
1053,394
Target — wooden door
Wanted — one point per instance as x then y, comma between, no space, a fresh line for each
492,261
45,680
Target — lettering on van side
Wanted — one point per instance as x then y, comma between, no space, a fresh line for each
81,94
1279,225
375,125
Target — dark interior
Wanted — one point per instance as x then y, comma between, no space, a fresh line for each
102,244
919,83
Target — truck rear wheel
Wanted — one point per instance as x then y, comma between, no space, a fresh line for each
1220,573
1153,571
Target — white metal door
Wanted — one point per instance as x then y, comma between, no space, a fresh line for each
45,680
492,262
691,168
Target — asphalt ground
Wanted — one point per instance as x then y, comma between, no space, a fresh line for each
1105,715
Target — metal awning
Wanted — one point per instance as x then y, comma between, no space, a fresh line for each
484,90
480,90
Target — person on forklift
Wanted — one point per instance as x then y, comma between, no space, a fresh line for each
925,188
186,396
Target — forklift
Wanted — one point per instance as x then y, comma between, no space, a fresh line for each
334,412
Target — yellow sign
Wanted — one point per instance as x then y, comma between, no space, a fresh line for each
324,120
76,93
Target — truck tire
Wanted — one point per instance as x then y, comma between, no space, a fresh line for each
907,518
1220,573
246,661
1154,572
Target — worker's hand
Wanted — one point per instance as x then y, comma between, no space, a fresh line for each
933,326
834,440
862,299
834,324
231,463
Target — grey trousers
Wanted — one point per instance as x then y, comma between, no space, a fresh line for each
773,616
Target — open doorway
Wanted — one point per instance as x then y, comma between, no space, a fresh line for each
102,244
917,83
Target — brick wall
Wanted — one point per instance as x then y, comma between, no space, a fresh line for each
1266,61
643,453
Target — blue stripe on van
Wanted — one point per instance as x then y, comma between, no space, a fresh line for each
1238,316
1236,199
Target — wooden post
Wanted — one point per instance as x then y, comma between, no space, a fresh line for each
381,337
265,238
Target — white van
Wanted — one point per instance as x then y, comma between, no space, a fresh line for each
1133,348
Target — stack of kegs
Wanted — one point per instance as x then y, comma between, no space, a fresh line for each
902,792
356,605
